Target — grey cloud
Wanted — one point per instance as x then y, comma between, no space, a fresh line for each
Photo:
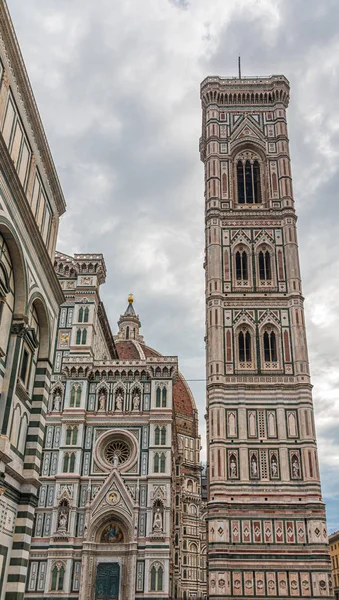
118,88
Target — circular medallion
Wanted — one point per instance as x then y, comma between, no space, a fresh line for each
112,497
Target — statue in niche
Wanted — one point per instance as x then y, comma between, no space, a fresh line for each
295,467
102,400
233,466
136,401
254,466
274,467
57,401
115,461
118,402
157,518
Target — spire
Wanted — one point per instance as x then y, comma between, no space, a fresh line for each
129,323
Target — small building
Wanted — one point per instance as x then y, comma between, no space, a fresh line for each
334,553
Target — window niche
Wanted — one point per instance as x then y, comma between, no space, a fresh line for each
248,178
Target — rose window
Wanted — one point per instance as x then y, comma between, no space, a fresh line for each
118,448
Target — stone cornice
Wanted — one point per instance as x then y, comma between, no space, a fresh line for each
17,64
23,207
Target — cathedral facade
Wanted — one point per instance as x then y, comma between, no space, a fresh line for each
266,517
31,203
119,514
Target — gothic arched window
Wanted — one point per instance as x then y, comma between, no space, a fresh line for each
270,346
157,573
164,397
241,265
158,398
75,435
162,463
72,399
78,339
72,463
86,313
248,179
78,397
265,271
81,315
245,346
68,436
157,436
156,463
58,575
84,336
163,436
65,463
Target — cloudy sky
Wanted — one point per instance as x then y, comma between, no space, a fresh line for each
117,84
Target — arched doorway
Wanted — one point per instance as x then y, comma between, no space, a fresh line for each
109,558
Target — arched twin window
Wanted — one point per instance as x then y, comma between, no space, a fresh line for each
248,180
75,399
270,347
69,463
160,436
157,575
159,463
83,315
265,271
161,397
241,265
81,337
71,435
245,352
58,576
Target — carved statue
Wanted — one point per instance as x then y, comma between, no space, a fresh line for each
274,467
57,402
102,400
295,467
157,520
115,461
118,402
254,467
233,467
136,401
62,522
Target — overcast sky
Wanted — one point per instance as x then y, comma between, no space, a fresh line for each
117,84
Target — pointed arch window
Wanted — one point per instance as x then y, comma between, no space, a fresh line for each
163,463
158,398
72,399
156,463
68,436
163,436
84,336
72,463
58,576
241,265
157,575
75,435
127,332
86,314
78,338
270,346
248,180
157,436
265,271
81,315
65,463
78,397
164,397
245,354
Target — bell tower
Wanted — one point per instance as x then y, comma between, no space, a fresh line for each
266,518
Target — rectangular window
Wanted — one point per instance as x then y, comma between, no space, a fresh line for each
16,145
23,163
8,123
24,366
35,195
